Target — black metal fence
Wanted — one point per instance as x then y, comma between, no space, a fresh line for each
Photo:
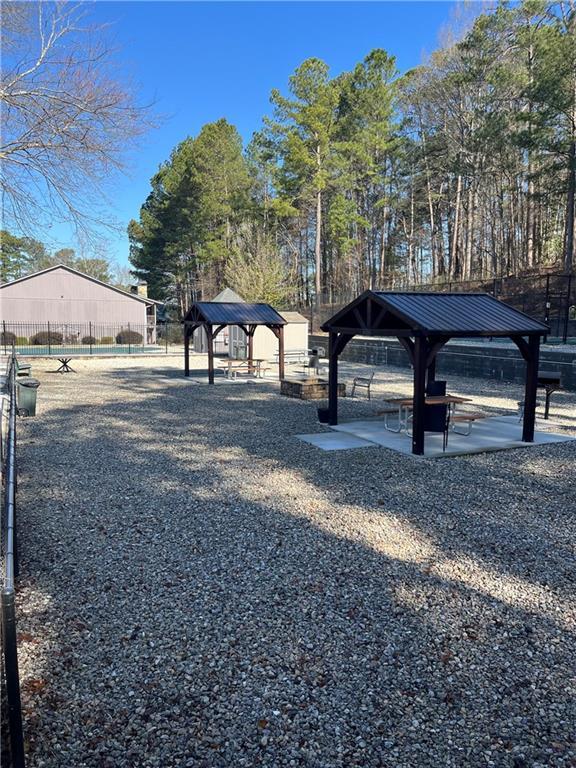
550,298
53,338
11,710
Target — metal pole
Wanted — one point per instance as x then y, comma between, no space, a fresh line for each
567,310
90,336
49,340
12,679
547,304
4,334
129,341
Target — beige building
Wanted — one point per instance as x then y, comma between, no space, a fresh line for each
74,304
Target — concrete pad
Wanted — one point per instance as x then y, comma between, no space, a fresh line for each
492,434
334,441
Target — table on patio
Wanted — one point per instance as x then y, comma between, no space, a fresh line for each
405,405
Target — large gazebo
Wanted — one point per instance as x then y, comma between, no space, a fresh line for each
423,323
214,316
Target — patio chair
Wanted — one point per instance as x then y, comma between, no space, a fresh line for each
437,419
362,382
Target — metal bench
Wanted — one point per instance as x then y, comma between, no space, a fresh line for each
362,382
465,418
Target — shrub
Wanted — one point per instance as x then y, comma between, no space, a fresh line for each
107,340
46,337
88,340
21,341
128,337
8,338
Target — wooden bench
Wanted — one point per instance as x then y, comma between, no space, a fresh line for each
465,418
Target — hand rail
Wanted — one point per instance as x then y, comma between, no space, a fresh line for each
11,569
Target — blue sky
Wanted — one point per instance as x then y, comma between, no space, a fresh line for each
202,61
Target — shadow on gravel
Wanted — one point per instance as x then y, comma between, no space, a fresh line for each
216,593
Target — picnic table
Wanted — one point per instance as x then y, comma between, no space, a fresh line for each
65,365
233,367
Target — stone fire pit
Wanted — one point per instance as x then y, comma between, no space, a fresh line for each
308,389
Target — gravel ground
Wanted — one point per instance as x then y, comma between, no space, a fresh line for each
199,588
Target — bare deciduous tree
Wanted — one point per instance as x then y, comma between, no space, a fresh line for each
68,116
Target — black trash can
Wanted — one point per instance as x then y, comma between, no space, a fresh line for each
27,391
323,415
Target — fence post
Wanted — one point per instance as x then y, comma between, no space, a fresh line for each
11,678
129,341
166,336
4,334
90,324
567,311
49,340
547,307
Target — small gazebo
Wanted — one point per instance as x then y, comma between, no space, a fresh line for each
423,323
214,316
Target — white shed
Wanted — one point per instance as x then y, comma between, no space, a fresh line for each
266,344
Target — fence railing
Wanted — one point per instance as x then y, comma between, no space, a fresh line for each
12,712
550,298
52,338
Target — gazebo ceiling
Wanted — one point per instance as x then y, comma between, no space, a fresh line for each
379,313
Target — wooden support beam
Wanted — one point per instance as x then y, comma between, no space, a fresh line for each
186,352
210,339
332,378
408,345
336,344
281,352
251,331
523,346
420,354
533,355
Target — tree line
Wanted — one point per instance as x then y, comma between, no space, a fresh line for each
463,168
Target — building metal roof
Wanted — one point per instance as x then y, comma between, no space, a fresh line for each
448,314
233,313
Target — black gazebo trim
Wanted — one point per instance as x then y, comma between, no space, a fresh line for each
214,316
423,323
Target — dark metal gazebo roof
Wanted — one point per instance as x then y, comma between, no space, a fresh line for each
233,313
377,313
213,316
424,323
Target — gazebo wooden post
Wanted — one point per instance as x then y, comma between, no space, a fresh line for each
186,351
281,352
332,378
532,358
210,339
251,330
420,351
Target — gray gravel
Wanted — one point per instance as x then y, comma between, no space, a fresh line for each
199,588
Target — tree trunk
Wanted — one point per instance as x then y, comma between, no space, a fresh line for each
318,239
456,230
